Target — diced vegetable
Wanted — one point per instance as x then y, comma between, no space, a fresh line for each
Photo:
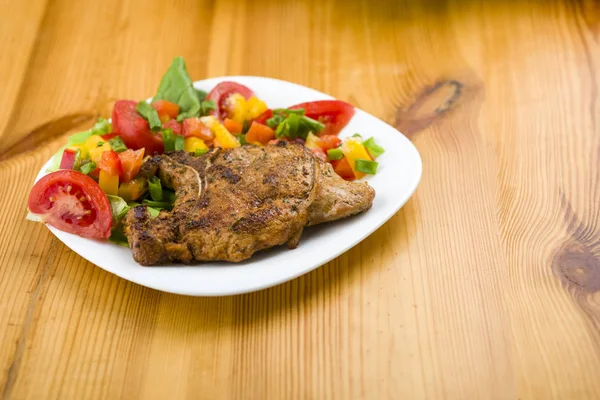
117,144
223,138
296,125
168,140
111,164
327,142
193,144
262,118
109,183
373,148
366,166
158,204
233,126
196,127
176,87
165,108
343,169
354,150
96,146
134,189
153,212
118,208
199,152
70,159
134,129
274,121
101,127
173,125
255,107
335,154
131,162
312,141
150,114
118,237
155,188
179,142
240,109
259,133
87,167
242,139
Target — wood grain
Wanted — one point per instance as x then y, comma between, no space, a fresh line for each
485,285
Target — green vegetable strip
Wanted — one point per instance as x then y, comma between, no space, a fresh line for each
176,87
286,111
117,144
296,126
155,188
366,166
169,195
179,142
274,121
246,126
153,212
87,168
242,139
335,154
77,162
158,204
102,127
168,139
357,135
373,148
150,114
199,152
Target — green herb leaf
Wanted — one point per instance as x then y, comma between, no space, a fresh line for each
373,148
176,87
201,94
150,114
102,127
155,188
366,166
56,158
153,212
161,205
118,237
207,106
117,144
179,142
118,208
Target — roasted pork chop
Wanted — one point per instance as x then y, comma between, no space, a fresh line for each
233,203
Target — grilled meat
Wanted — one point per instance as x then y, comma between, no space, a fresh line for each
233,203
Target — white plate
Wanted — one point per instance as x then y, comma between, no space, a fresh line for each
397,178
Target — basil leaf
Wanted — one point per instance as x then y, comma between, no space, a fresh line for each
176,87
150,114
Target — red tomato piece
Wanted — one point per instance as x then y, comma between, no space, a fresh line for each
221,92
131,162
68,159
335,114
164,107
259,133
195,127
174,126
72,202
319,153
328,142
110,163
109,136
133,129
262,118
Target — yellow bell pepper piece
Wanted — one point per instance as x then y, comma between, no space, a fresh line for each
255,107
192,144
312,141
96,146
239,108
354,150
83,151
109,183
223,138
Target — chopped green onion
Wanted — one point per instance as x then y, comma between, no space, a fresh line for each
100,144
335,154
153,211
158,204
102,127
287,111
357,135
77,162
315,126
373,148
199,152
169,195
179,142
201,94
155,188
246,126
366,166
207,106
168,139
274,121
87,167
150,114
242,139
117,144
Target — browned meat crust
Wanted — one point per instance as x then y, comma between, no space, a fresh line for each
233,203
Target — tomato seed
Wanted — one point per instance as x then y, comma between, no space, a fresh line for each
69,188
82,199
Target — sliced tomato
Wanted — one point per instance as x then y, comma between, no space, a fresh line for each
195,127
164,107
319,153
68,159
72,202
262,118
221,92
259,133
131,162
335,114
110,163
328,142
173,125
133,129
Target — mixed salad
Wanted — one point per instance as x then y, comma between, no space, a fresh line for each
93,180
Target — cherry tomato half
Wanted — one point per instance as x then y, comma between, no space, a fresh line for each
134,129
72,202
222,91
335,114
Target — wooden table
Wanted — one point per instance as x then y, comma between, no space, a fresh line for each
485,285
